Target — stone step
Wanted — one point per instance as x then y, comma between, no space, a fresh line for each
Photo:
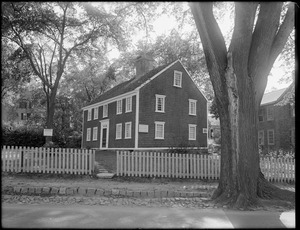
105,175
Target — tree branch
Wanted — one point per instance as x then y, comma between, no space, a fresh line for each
282,34
262,39
213,44
242,34
50,65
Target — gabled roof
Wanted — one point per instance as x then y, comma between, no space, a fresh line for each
129,85
275,96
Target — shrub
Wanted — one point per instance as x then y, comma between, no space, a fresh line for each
22,137
280,153
33,137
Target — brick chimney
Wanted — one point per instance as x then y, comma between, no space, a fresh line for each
143,64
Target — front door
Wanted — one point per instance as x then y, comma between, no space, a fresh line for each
104,131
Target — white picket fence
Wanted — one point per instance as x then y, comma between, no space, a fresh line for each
47,160
161,164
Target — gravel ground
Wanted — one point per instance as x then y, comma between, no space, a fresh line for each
121,183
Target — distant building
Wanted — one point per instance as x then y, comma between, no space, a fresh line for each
276,122
157,109
24,110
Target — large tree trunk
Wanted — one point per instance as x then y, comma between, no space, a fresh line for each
240,163
50,116
239,79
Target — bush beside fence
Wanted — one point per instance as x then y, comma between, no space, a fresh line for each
161,164
47,160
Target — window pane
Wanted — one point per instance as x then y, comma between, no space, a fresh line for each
159,130
128,130
105,110
270,113
128,104
160,103
95,133
192,132
96,113
119,131
177,78
271,137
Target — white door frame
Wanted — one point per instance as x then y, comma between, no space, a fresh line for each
104,124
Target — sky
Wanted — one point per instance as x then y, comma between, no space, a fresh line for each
165,23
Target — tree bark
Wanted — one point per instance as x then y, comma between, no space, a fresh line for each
235,76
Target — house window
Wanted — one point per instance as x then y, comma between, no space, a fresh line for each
271,137
105,110
119,106
177,78
261,115
128,107
88,134
24,116
96,110
95,133
23,105
89,114
160,103
127,130
159,130
204,130
119,131
261,137
192,132
270,113
192,106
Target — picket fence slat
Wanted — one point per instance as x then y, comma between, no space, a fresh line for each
160,164
47,160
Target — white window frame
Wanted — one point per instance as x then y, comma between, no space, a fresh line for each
162,136
88,134
270,115
261,114
261,133
177,78
89,115
119,106
192,101
157,97
96,111
118,131
128,128
273,133
95,133
194,136
105,110
128,106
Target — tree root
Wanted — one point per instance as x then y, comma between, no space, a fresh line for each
266,194
266,190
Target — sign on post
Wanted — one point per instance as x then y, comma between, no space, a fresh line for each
48,132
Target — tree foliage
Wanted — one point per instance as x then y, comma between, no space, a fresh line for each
49,33
15,69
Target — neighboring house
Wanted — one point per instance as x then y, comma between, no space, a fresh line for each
276,123
157,109
24,110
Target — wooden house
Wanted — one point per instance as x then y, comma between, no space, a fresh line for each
159,108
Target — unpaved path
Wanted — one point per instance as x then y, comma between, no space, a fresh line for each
142,184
